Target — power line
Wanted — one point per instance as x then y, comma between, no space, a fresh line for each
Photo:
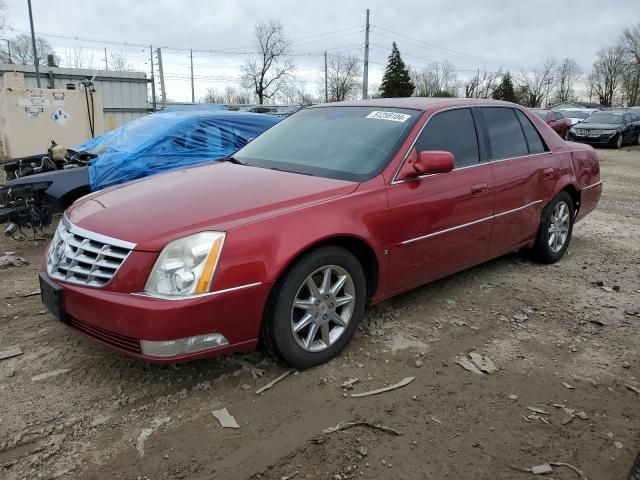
444,49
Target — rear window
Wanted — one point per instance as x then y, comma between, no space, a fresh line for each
534,141
506,137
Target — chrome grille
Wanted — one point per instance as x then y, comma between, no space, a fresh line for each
595,132
83,257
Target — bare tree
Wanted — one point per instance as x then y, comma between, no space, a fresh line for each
630,41
212,96
438,78
22,50
4,16
118,62
482,84
567,74
343,77
293,91
77,57
607,74
230,96
536,86
264,73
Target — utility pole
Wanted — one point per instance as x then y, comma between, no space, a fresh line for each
106,64
33,42
365,73
193,94
153,80
164,93
326,81
8,50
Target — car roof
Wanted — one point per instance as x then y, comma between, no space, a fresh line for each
417,103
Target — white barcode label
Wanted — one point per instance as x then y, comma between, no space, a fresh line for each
393,116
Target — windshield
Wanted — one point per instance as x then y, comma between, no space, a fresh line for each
347,143
541,113
575,113
604,117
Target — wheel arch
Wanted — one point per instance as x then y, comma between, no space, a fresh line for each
360,248
575,195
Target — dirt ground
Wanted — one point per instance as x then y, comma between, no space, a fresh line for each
102,415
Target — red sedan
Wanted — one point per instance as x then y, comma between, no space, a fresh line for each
336,207
556,120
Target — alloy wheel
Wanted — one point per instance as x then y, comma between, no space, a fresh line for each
322,308
559,227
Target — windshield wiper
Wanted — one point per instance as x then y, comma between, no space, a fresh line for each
233,160
291,171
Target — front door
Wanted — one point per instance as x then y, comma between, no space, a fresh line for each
441,223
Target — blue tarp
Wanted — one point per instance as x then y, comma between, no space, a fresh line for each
169,139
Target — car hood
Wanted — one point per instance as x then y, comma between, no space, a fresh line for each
154,211
600,126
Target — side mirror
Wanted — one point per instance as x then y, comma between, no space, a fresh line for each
427,162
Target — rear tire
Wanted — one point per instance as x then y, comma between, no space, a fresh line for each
315,308
556,227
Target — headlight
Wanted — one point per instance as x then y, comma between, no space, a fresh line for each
186,266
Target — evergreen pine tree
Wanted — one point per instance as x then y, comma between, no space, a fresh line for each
396,81
505,90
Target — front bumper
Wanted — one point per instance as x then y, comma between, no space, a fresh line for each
121,320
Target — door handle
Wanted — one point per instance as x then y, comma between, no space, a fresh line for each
549,173
479,189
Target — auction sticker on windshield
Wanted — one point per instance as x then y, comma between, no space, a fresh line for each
393,116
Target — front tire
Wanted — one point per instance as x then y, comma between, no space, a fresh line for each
315,308
619,142
556,227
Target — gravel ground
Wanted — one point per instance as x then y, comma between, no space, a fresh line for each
96,414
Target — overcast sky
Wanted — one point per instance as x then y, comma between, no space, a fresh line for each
512,34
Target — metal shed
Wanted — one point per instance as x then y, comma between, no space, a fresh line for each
124,94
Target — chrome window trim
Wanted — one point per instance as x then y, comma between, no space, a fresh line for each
591,186
158,296
395,181
465,225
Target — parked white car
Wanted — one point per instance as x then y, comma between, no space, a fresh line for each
577,115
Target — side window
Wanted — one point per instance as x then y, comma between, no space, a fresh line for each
558,116
506,137
452,131
534,141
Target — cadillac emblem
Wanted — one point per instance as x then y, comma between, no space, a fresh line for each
59,252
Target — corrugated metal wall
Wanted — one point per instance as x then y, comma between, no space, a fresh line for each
124,94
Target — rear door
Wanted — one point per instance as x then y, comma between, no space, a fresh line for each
441,223
524,171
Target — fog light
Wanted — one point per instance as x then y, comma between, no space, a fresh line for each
173,348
